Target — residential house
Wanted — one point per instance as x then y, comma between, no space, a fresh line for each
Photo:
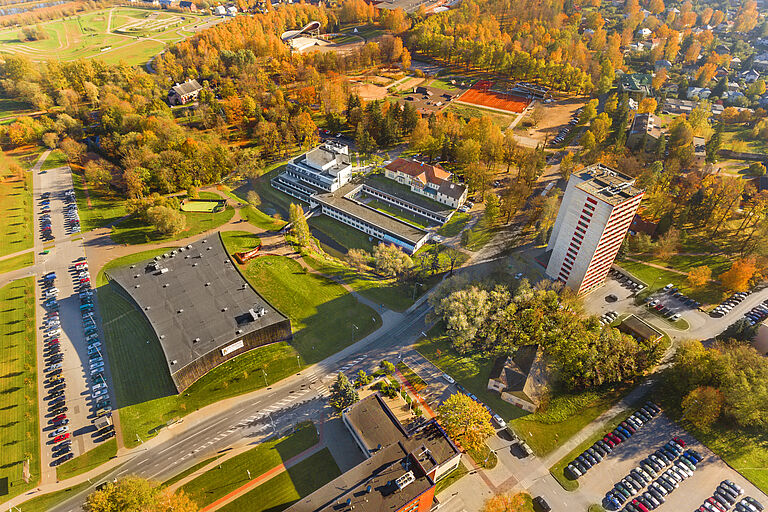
761,62
636,83
662,64
181,94
231,10
219,10
520,379
431,181
750,76
644,133
698,93
187,5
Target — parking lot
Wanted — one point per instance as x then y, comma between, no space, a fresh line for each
691,492
65,387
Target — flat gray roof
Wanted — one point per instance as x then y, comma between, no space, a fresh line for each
195,299
608,184
338,200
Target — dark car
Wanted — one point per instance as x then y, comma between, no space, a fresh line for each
540,503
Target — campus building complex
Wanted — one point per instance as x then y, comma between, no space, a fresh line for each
322,178
597,208
400,470
202,310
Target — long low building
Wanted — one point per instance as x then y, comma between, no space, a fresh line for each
201,308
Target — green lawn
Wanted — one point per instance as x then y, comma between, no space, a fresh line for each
288,487
99,208
232,473
143,388
657,278
472,112
365,31
478,236
398,213
445,83
455,224
46,502
12,107
255,216
16,205
19,428
134,231
87,461
392,294
17,262
451,478
324,317
189,471
472,372
338,237
558,470
55,159
738,138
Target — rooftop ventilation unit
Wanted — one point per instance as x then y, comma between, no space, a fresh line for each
405,480
189,246
195,340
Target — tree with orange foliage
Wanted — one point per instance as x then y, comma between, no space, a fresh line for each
738,276
465,421
698,277
702,406
647,106
520,502
659,79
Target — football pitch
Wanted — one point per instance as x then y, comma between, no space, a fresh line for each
130,35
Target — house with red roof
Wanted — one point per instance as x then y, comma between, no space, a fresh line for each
431,181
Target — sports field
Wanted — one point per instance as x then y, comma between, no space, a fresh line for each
131,35
481,94
200,206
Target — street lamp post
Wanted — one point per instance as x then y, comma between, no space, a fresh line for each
298,361
265,377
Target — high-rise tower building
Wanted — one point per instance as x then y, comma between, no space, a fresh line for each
597,209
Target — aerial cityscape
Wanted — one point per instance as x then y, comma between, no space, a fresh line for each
384,256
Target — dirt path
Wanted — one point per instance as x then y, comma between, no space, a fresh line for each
109,20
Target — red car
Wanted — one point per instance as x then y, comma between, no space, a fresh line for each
53,341
716,504
61,438
679,441
609,441
85,280
616,439
640,506
59,417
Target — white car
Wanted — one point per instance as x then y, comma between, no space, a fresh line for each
499,421
675,317
448,379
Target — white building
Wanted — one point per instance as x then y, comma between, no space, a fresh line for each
220,10
327,167
597,208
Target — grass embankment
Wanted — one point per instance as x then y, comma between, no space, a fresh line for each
46,502
19,428
455,224
87,461
558,470
55,159
288,487
322,314
338,238
96,208
189,471
233,473
451,478
17,262
475,238
16,205
134,231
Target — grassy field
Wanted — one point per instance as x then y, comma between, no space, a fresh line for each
231,474
558,470
445,84
365,31
478,236
455,225
9,108
88,35
55,159
470,112
339,237
738,138
200,206
19,429
134,231
400,214
144,392
87,461
17,262
97,209
16,205
288,487
657,278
